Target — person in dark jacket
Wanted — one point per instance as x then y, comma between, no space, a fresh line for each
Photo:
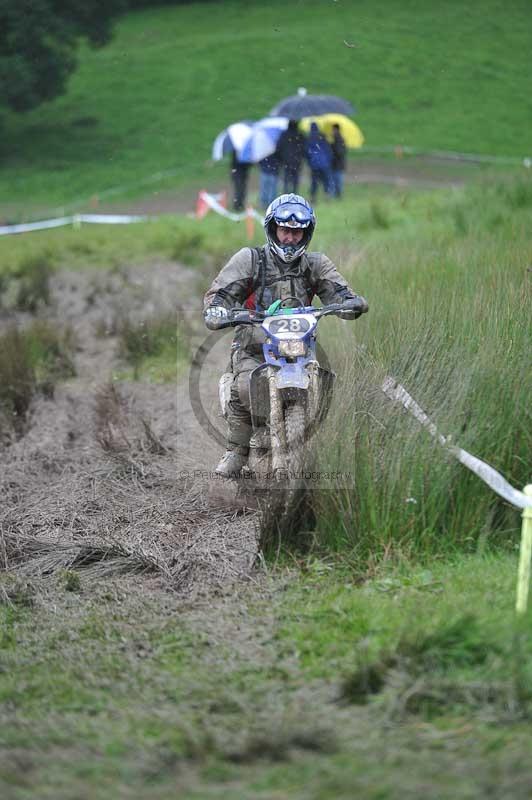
239,177
319,157
268,175
338,161
291,151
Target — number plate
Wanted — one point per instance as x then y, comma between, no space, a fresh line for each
289,325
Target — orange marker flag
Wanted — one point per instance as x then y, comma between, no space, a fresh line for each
250,223
202,207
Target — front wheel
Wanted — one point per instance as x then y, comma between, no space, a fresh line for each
295,423
288,514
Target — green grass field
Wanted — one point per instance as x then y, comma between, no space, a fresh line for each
434,76
321,689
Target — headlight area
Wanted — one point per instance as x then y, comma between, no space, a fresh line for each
292,348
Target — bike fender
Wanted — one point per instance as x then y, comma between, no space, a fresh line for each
292,376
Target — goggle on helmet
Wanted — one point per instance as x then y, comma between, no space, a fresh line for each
289,211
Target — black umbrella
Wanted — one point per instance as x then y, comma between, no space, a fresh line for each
311,105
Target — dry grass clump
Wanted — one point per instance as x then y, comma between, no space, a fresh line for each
36,557
31,361
52,353
27,288
110,420
151,337
127,529
122,433
17,381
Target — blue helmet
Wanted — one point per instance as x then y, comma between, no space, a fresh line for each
291,211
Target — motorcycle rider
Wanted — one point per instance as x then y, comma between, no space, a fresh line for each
255,278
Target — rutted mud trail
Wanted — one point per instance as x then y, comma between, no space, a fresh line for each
109,476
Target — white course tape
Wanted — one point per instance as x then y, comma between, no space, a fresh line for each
76,219
109,219
396,392
35,226
119,219
213,203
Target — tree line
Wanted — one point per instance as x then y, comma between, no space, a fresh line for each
39,41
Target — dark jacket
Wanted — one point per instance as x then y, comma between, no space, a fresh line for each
338,152
291,147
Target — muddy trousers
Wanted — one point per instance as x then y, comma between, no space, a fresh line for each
238,412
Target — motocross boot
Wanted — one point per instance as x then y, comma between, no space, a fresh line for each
231,464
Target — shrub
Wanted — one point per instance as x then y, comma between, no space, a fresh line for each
188,246
17,380
519,194
151,337
30,361
32,278
51,352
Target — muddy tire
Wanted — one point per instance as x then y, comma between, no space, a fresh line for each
287,513
295,418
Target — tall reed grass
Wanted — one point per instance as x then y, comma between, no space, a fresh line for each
450,318
142,341
32,360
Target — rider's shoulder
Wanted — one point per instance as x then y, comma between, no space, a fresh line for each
240,265
242,257
317,260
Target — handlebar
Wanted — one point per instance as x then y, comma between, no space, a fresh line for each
243,316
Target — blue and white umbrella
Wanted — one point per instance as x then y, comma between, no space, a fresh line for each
262,139
232,138
252,141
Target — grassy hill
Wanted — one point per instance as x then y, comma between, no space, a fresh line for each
430,75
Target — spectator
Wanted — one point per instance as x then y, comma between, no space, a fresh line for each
319,157
338,161
239,177
269,171
291,151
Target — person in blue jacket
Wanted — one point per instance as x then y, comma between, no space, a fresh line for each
319,156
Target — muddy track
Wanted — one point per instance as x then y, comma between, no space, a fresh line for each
111,476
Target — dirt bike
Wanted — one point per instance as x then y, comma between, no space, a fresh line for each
290,392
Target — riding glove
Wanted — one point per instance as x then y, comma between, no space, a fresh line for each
213,316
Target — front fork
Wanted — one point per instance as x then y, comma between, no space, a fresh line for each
277,433
277,427
313,401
